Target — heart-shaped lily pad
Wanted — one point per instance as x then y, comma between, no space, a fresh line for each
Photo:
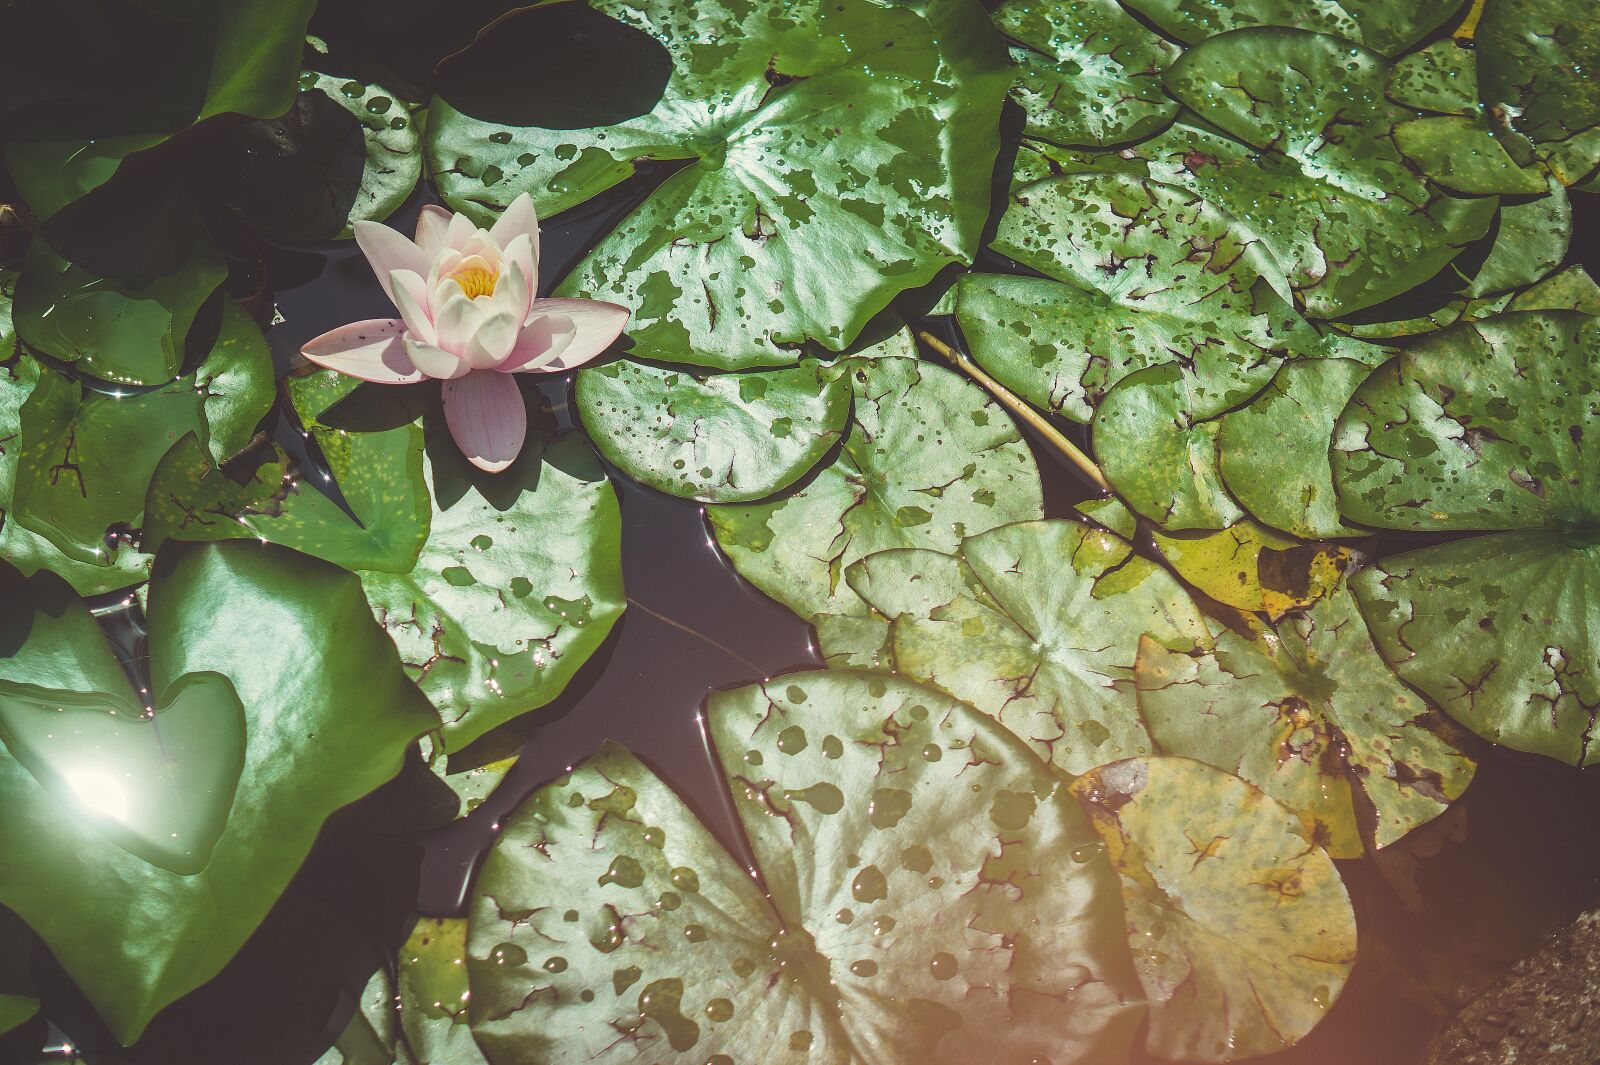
328,716
1036,624
1309,713
928,459
836,152
160,783
1487,427
932,895
719,438
1241,929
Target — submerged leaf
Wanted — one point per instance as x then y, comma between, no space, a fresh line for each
1309,714
719,438
836,154
1242,932
1487,427
935,896
928,460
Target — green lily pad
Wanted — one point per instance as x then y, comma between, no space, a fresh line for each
928,460
719,438
114,284
158,780
1274,452
86,457
1318,175
327,718
892,827
1530,241
837,153
1087,72
1535,63
1310,714
345,152
434,993
1249,567
1036,624
140,75
1387,26
1570,290
1485,427
1461,153
1242,932
1111,513
18,1002
1442,77
372,1035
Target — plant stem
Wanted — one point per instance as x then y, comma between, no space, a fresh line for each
1016,405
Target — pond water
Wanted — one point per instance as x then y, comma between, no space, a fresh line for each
1444,908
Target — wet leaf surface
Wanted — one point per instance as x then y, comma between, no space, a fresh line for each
1242,932
1535,59
434,993
884,872
1249,567
1484,428
834,155
1037,625
1309,713
928,459
326,720
718,438
1386,26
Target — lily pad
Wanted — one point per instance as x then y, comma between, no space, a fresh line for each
1274,452
1461,153
1442,77
719,438
893,828
1570,290
1242,932
1087,72
1036,624
1249,567
1387,26
86,457
1486,427
837,153
326,720
1535,63
346,151
434,993
18,1002
928,460
1318,175
1530,241
1309,713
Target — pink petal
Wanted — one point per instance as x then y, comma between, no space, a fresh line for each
598,324
411,296
370,350
431,226
434,361
518,220
512,292
487,418
540,341
387,250
520,258
459,232
493,340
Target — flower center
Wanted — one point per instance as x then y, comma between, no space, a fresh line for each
476,281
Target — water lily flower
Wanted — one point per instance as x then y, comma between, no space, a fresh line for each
468,318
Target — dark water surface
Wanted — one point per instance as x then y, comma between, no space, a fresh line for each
1437,913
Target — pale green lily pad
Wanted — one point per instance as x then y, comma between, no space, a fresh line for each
1113,514
434,993
1530,241
1570,290
1318,175
16,1010
838,153
1037,625
928,460
327,720
1242,931
1536,60
894,932
718,438
1387,26
346,151
372,1035
1087,72
86,458
1249,567
1274,452
1461,153
1486,427
1310,714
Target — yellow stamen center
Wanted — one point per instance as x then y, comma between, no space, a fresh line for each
476,281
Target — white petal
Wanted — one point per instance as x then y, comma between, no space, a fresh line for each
434,361
411,296
388,250
518,220
541,341
457,320
489,345
370,350
459,231
431,226
598,324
